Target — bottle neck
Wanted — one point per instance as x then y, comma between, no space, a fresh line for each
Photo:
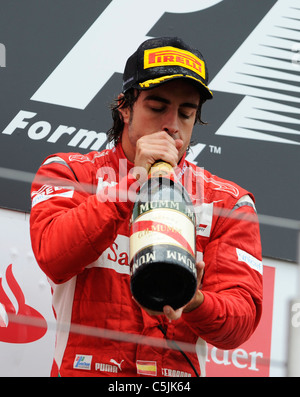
161,169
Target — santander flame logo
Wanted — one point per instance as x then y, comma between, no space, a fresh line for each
24,325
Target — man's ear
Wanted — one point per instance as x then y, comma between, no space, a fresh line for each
125,111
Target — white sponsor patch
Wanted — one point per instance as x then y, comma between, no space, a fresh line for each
204,217
47,192
251,261
82,362
115,257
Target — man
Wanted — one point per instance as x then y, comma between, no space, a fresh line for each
81,209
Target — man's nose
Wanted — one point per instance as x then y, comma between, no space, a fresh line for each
170,123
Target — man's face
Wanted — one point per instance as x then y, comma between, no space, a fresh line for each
170,107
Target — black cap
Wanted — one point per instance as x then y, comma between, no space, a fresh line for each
163,59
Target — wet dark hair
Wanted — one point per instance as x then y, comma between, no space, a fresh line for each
127,101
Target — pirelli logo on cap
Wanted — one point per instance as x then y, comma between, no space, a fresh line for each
170,56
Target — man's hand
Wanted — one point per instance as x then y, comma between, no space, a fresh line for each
157,146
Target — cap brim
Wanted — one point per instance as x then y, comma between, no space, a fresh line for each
152,83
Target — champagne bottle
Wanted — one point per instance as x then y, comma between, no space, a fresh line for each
162,242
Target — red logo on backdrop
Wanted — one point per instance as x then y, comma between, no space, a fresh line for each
24,325
253,357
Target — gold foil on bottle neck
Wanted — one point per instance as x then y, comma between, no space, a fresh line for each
161,168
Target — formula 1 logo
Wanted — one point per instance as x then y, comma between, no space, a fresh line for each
265,69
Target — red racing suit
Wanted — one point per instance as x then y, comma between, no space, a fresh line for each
79,225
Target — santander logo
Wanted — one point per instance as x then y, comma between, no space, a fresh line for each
21,325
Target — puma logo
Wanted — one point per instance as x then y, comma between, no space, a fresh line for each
117,364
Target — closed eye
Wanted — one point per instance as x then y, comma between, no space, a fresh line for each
185,116
157,110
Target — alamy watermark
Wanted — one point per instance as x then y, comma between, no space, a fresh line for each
2,56
295,317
